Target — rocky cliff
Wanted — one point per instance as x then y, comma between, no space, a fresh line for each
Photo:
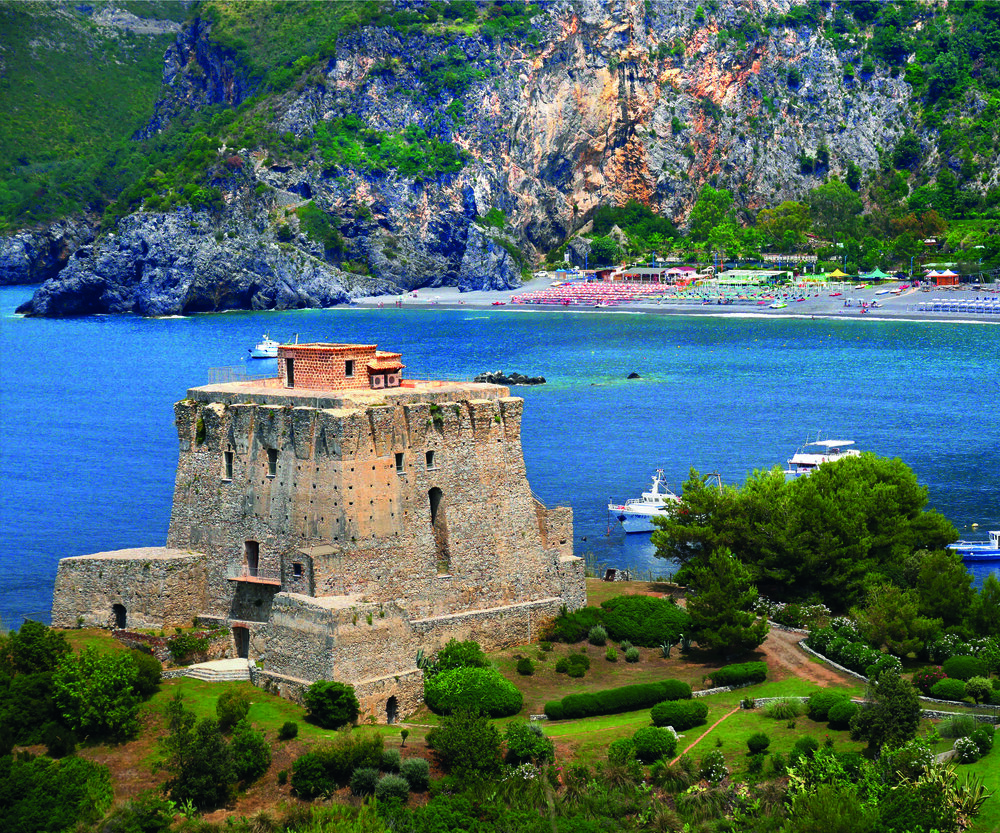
617,101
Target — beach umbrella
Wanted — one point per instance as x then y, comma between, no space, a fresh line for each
836,273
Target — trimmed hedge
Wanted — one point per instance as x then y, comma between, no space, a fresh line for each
821,702
616,700
652,744
644,620
681,714
483,688
740,674
964,668
840,714
573,627
948,689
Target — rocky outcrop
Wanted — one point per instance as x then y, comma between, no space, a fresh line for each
36,255
498,377
178,263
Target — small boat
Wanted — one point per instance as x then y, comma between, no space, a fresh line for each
636,514
813,454
267,348
979,550
778,305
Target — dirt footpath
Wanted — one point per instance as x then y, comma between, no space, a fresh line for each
786,659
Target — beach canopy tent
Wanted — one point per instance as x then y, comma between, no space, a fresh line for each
876,275
836,273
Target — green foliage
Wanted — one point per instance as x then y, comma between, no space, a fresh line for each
363,780
328,767
495,218
484,688
461,655
925,678
331,704
525,667
964,668
34,649
392,788
322,228
38,795
573,627
635,219
417,773
822,701
95,694
597,635
411,153
448,74
289,730
250,752
604,251
711,209
890,715
740,674
198,760
231,707
680,714
644,620
527,743
632,654
466,744
149,671
652,744
784,709
723,619
979,689
611,654
391,759
183,645
948,689
621,751
616,700
840,714
758,743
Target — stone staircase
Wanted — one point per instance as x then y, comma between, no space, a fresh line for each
220,670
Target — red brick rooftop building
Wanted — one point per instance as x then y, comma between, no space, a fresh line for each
338,367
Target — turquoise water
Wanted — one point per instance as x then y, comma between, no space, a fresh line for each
89,447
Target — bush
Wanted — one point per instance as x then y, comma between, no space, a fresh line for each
392,788
150,672
979,689
288,730
925,678
840,714
948,689
391,760
784,709
184,644
527,743
597,635
778,765
363,780
250,752
486,689
231,707
330,766
960,726
644,620
525,667
466,744
804,747
632,655
562,665
740,674
545,646
713,766
417,773
964,668
652,744
755,763
820,703
309,778
573,627
758,743
611,655
621,751
331,704
617,700
680,714
59,741
461,655
967,750
983,736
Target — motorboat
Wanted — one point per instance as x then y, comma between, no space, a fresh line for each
979,550
814,454
267,348
636,514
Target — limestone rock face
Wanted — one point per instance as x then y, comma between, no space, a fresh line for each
33,256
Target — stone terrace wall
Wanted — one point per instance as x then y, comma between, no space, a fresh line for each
158,588
496,628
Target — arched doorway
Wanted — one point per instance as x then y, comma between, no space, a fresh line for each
391,710
439,525
120,615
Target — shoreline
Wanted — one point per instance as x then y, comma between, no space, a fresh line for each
891,307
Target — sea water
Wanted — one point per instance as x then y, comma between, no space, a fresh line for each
89,447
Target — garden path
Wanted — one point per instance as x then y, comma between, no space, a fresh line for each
782,651
704,734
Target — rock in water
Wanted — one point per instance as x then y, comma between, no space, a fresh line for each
633,375
498,377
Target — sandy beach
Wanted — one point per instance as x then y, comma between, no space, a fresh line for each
903,307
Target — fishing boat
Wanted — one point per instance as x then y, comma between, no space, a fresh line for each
636,514
266,348
813,454
979,550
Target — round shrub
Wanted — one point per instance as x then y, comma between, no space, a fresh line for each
758,743
461,655
644,620
482,688
417,773
964,668
925,678
363,780
652,744
820,703
150,671
979,689
231,708
576,670
621,751
755,763
840,714
527,743
804,747
611,655
545,646
597,636
251,754
675,690
392,788
562,665
331,705
580,659
983,736
713,766
288,730
554,710
391,760
967,750
625,645
309,777
681,714
525,667
948,689
632,654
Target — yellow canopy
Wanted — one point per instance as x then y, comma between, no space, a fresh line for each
836,273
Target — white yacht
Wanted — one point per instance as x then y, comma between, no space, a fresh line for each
815,453
267,348
636,514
